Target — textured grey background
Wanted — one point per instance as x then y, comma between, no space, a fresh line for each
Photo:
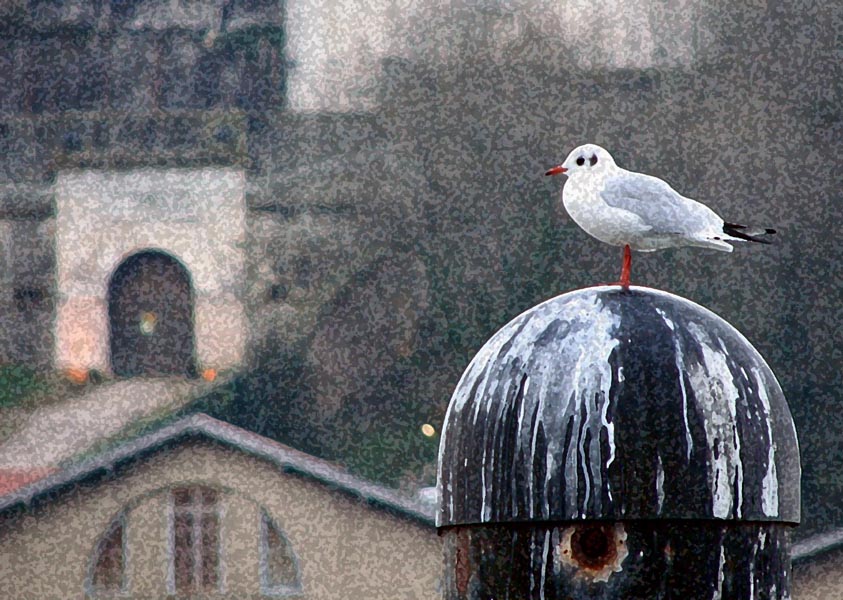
434,225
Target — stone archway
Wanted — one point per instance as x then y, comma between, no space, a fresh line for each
150,316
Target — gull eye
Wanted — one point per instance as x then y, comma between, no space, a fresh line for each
593,160
580,161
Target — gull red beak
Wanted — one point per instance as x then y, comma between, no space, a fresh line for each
556,170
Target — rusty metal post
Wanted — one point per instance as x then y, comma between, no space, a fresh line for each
612,444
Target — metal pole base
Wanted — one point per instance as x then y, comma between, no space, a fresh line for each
630,560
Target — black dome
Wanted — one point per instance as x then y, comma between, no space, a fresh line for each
610,404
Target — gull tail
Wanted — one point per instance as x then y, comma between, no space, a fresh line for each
750,234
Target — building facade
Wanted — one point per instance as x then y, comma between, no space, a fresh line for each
200,508
203,135
150,270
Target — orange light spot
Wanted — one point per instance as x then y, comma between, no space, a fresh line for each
77,375
209,374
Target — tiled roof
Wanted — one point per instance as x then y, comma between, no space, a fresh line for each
816,545
15,479
32,485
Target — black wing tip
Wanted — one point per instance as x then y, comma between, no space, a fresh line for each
734,230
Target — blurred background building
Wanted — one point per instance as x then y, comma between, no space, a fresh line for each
367,180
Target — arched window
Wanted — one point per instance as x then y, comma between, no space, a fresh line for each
107,572
197,543
279,569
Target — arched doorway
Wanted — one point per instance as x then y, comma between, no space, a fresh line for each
150,315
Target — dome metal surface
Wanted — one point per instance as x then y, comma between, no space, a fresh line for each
610,404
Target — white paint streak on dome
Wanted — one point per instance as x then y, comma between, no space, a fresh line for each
718,592
582,357
717,397
680,360
545,551
770,484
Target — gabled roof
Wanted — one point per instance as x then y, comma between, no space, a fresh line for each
15,479
285,458
816,545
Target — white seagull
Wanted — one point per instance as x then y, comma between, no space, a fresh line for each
638,211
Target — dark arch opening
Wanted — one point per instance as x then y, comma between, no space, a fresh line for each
150,317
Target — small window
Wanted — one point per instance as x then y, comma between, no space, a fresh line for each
279,569
195,541
28,299
107,574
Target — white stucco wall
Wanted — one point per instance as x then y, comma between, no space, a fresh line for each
103,217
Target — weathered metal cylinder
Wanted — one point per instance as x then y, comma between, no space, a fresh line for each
615,443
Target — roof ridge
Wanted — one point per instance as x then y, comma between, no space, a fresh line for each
283,456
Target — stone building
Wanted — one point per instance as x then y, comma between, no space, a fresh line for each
199,508
150,270
195,141
123,133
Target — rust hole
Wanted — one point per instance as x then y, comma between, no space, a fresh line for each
593,550
594,546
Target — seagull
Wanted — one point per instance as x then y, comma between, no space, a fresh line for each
640,212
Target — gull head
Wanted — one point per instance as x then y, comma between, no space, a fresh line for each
588,158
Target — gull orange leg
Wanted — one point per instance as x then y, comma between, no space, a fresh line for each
626,268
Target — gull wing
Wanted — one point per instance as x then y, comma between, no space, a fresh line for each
658,205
